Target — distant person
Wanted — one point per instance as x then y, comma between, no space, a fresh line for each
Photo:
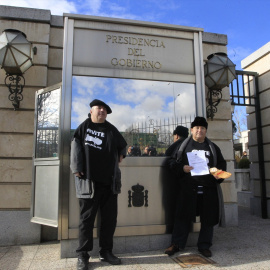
145,152
179,134
244,155
96,150
149,151
136,150
152,151
130,151
199,194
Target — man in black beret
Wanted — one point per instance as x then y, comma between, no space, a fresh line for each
97,102
96,150
199,194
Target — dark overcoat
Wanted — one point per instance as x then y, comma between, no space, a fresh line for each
212,204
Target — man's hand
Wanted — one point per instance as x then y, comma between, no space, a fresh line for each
187,168
79,174
121,158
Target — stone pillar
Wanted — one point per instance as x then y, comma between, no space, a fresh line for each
259,62
17,127
220,130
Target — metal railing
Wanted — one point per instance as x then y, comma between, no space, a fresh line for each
156,134
47,142
244,91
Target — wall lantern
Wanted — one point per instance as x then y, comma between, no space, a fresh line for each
219,71
16,56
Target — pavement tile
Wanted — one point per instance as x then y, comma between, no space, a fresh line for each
14,263
3,251
47,264
246,247
71,263
21,252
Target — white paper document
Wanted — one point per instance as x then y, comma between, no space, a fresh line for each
198,161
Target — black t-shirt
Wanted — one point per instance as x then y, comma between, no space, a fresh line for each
101,159
102,144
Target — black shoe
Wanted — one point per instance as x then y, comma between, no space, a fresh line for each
107,256
205,252
82,264
172,249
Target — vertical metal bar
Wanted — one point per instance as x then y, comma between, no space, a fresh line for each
243,89
249,93
237,90
231,90
260,151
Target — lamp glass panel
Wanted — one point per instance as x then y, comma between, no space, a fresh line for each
2,46
230,63
10,36
231,77
205,67
24,48
223,60
9,60
20,39
3,40
2,54
216,75
209,82
216,60
20,58
223,80
26,66
213,68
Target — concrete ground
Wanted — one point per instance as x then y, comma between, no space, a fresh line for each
244,247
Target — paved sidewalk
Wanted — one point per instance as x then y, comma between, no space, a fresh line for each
244,247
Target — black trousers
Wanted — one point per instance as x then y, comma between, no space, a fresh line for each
182,228
106,201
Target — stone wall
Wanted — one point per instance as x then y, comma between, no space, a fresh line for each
259,62
16,127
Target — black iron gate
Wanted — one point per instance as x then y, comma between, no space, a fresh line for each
244,91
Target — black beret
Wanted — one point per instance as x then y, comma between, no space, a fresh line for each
199,122
181,131
97,102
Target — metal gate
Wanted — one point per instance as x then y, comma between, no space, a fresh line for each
244,91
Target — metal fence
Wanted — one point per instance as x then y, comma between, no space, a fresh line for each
47,142
156,135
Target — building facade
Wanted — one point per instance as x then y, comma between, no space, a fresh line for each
259,61
46,32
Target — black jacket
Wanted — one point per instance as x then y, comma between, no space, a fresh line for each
81,156
171,154
213,205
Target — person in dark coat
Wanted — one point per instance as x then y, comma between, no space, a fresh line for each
96,150
199,194
172,188
179,135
